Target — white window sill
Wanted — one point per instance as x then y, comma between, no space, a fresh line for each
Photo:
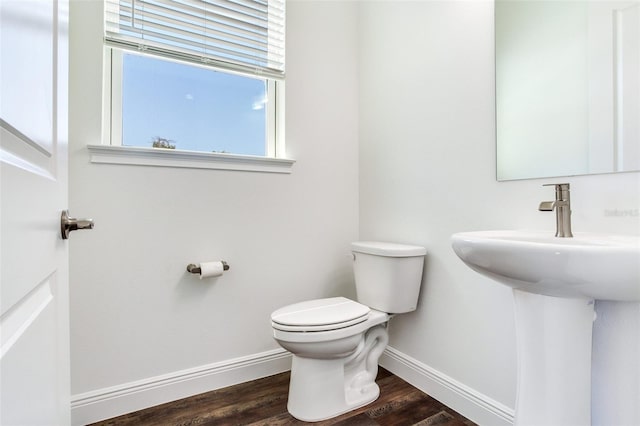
108,154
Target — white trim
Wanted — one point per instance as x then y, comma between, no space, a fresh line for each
109,154
113,98
279,120
107,59
470,403
272,118
114,401
101,404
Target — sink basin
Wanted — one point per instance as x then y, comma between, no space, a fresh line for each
587,266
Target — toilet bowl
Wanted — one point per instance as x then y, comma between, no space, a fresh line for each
336,342
333,370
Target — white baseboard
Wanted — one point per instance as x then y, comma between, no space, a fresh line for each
110,402
470,403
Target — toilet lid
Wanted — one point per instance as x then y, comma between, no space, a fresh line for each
320,315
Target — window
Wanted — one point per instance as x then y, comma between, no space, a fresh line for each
168,104
195,75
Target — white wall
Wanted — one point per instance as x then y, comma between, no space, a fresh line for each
136,314
427,170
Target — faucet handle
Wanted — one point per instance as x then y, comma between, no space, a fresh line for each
562,191
559,186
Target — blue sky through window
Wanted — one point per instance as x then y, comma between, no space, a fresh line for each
197,108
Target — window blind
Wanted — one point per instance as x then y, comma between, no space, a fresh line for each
239,35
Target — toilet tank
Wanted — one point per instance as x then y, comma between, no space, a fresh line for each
388,275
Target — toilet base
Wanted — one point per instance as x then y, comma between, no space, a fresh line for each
321,389
320,393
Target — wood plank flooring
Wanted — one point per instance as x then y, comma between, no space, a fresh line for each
264,402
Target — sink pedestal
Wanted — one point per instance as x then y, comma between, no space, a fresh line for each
615,386
554,360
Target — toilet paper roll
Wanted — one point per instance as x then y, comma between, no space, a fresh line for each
211,269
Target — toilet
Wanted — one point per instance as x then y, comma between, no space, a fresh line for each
336,342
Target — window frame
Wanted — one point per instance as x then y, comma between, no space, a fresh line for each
113,152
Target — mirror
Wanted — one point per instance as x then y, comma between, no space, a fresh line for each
567,87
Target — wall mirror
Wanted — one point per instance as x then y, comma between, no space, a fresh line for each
567,87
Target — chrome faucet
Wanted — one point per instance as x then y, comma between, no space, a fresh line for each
562,204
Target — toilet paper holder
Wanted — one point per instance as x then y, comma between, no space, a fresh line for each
195,269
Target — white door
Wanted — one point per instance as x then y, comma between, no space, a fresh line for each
34,369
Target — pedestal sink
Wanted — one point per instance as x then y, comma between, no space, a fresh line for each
555,282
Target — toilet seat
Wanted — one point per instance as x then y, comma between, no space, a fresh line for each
320,315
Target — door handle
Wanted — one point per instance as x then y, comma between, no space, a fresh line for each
68,224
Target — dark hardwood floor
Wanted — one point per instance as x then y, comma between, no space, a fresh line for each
264,402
